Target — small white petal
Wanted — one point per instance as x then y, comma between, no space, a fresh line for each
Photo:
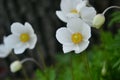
81,47
75,25
20,48
66,5
63,35
29,28
4,51
81,5
32,41
11,41
61,16
18,28
86,32
68,48
75,3
87,14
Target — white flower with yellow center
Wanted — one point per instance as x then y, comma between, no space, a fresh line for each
22,37
4,50
75,36
76,8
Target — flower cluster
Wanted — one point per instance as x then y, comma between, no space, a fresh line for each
76,9
22,37
79,17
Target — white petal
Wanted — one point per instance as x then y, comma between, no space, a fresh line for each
61,16
11,41
75,25
4,51
32,41
68,5
18,28
63,35
76,2
20,48
87,14
29,27
81,47
68,48
86,32
81,5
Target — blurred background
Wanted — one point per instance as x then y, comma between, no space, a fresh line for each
41,15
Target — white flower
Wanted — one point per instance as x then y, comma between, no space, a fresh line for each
15,66
76,8
4,50
75,36
22,37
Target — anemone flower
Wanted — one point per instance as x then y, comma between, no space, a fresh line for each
76,8
4,49
74,37
22,37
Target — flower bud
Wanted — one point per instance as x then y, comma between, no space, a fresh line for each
104,70
15,66
98,21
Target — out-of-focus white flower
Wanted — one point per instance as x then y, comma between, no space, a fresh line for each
98,21
76,8
4,50
22,37
15,66
75,36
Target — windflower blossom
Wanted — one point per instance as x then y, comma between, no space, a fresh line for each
76,8
22,37
75,36
4,50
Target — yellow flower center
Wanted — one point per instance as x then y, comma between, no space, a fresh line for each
76,38
24,37
74,11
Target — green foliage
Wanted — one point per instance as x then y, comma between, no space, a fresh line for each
103,59
115,18
48,74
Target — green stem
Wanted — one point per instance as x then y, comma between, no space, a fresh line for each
43,61
25,74
87,65
71,62
41,57
32,60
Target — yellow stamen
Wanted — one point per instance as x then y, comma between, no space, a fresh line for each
76,38
74,11
24,37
